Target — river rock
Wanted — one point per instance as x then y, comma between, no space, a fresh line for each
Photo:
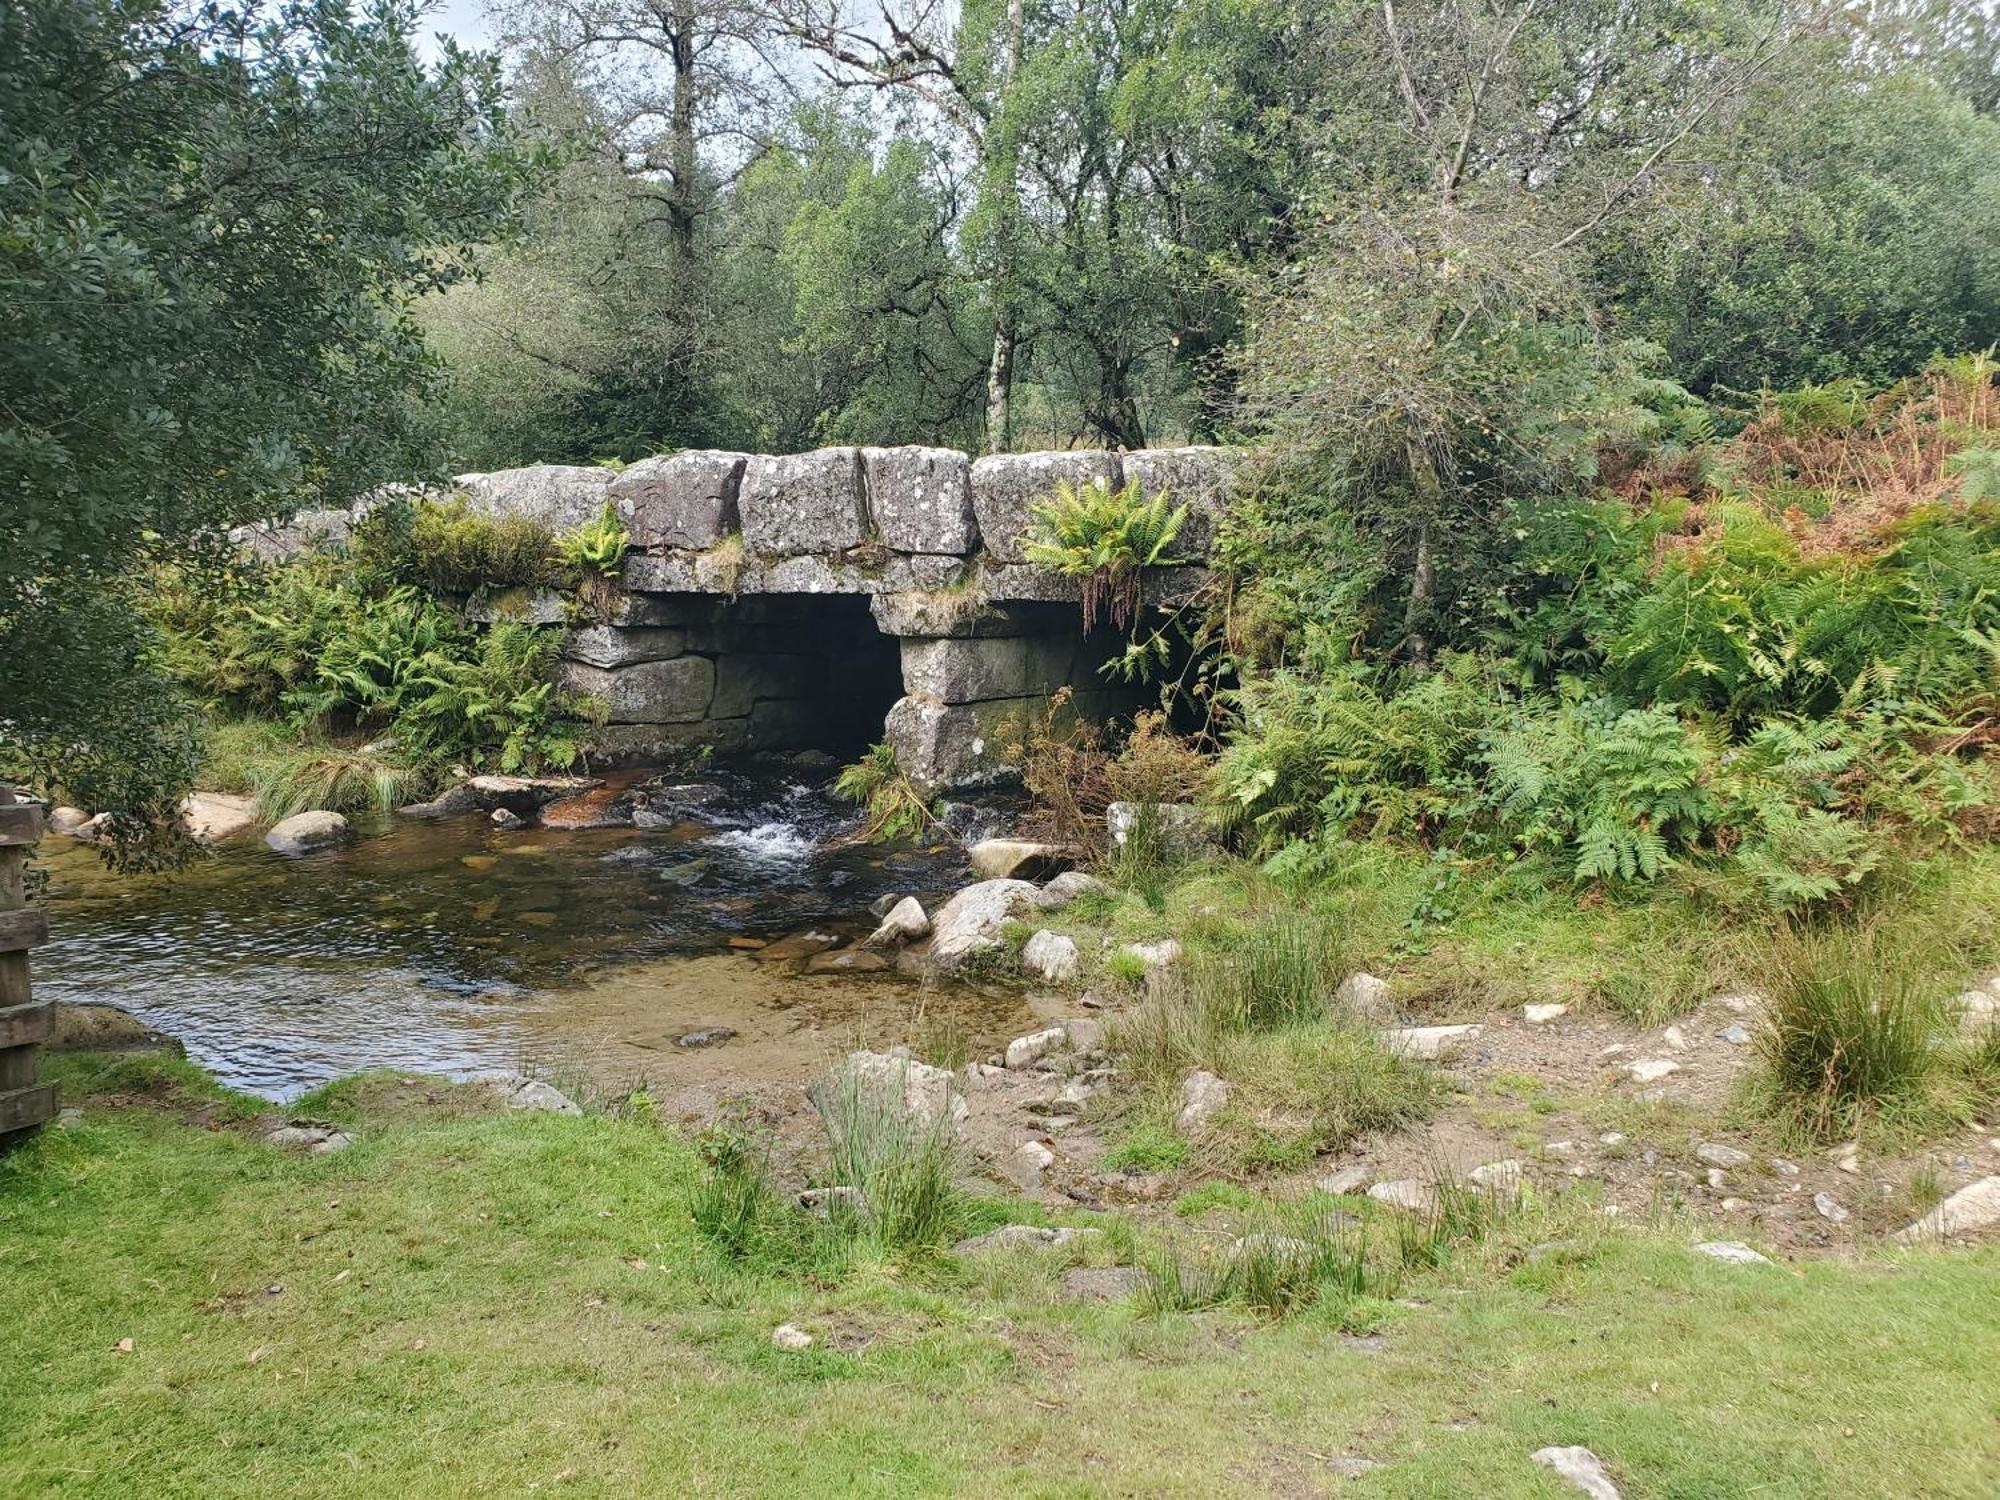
1026,1051
1049,956
1102,1283
1202,1094
1973,1208
1024,1237
517,1092
452,802
705,1036
800,503
904,922
1178,831
304,832
214,816
1427,1043
971,921
505,819
1405,1193
926,1093
680,500
1071,885
1583,1470
1978,1012
1541,1015
1007,486
67,820
1652,1070
1365,997
920,499
1726,1157
1017,859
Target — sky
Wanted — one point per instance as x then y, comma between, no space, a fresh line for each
463,19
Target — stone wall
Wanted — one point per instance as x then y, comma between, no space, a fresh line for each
718,639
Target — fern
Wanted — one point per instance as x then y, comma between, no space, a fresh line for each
1107,538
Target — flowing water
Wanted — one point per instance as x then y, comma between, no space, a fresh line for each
455,947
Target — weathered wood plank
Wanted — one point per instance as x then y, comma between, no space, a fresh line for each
14,986
23,1109
20,825
26,928
23,1025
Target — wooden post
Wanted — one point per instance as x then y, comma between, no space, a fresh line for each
25,1103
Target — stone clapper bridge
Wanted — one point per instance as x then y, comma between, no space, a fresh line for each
821,600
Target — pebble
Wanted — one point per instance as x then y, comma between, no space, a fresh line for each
790,1339
1828,1207
1541,1015
1784,1168
1404,1192
1736,1036
1652,1070
705,1036
1722,1156
1346,1180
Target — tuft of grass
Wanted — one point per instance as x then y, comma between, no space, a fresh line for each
905,1170
1852,1026
1147,1147
897,806
734,1202
288,773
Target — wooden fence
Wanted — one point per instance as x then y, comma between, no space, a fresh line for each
25,1103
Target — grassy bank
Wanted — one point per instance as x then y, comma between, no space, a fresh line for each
468,1302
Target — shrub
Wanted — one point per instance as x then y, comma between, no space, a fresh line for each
1852,1025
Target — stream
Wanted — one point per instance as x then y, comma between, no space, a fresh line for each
455,947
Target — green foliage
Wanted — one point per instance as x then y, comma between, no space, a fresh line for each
213,223
289,773
1107,538
452,549
904,1170
897,807
597,548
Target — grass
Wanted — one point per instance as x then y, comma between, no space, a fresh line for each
288,772
489,1303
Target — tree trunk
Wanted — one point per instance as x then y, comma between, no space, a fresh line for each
681,160
1004,181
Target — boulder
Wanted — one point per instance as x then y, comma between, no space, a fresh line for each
1978,1012
517,1092
1582,1469
649,692
1365,997
1049,956
971,922
1973,1208
1024,1167
304,832
67,821
1202,1094
680,500
920,499
1069,886
1017,859
1006,486
1427,1043
452,802
1199,478
1174,830
927,1094
561,497
214,816
904,922
803,503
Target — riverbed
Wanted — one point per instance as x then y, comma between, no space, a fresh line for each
459,948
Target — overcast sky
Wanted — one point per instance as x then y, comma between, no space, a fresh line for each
463,19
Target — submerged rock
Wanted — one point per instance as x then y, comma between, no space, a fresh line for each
847,961
798,946
304,832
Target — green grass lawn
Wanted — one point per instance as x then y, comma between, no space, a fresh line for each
469,1303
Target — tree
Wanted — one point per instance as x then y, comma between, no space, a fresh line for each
213,225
